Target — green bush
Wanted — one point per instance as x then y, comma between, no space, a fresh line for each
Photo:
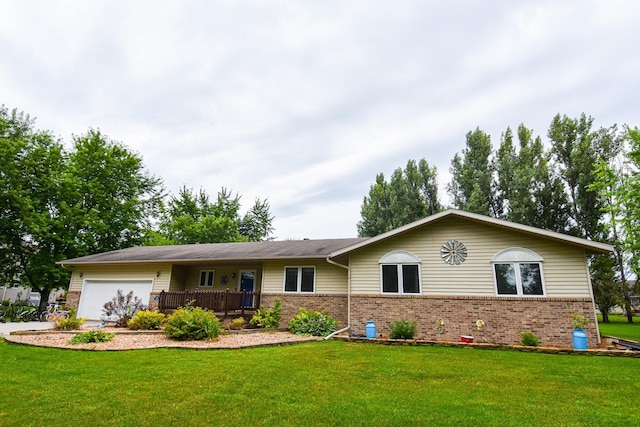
529,339
94,335
402,329
579,321
69,324
192,323
268,317
316,323
146,320
236,323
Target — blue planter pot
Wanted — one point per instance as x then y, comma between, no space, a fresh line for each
579,339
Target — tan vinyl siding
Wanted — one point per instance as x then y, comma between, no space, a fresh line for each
122,272
563,266
330,279
192,276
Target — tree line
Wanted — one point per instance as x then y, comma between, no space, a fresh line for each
58,203
584,182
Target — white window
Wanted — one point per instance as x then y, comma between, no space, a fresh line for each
207,278
518,271
400,273
300,279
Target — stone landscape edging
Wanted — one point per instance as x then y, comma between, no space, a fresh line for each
487,346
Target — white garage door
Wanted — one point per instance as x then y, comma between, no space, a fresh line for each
97,292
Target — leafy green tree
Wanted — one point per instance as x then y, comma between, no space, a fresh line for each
410,195
194,218
32,226
527,189
112,200
471,185
576,149
619,188
607,287
256,225
57,205
376,212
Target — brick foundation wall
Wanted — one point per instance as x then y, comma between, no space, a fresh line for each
334,304
548,318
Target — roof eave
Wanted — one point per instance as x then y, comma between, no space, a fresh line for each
190,260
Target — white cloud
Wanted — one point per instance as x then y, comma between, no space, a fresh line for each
304,103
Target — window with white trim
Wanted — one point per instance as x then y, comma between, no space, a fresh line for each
207,278
300,279
518,272
400,273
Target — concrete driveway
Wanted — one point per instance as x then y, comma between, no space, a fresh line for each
7,328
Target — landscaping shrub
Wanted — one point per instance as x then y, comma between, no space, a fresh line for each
236,323
268,317
146,320
70,324
579,321
123,308
192,323
316,323
402,329
529,339
94,335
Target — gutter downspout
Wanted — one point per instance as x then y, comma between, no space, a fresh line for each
348,300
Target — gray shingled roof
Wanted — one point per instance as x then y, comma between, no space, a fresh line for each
220,252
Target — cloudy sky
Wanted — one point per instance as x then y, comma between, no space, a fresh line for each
302,102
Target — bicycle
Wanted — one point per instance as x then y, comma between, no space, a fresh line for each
53,313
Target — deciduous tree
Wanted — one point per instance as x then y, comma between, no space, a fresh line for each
472,176
56,205
193,218
411,194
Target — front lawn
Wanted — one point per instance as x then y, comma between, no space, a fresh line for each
320,383
618,327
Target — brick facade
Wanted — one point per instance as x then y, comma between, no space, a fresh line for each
548,318
334,304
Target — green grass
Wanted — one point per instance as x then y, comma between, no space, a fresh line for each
320,383
618,327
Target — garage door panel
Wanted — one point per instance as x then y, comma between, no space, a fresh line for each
95,293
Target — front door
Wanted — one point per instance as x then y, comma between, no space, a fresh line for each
247,283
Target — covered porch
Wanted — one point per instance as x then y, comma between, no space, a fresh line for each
225,303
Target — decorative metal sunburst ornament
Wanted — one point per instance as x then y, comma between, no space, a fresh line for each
453,252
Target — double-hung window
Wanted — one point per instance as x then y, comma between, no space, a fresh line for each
207,278
300,279
400,273
518,272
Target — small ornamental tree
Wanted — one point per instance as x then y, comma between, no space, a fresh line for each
122,308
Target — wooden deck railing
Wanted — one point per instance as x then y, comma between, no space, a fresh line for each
220,302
